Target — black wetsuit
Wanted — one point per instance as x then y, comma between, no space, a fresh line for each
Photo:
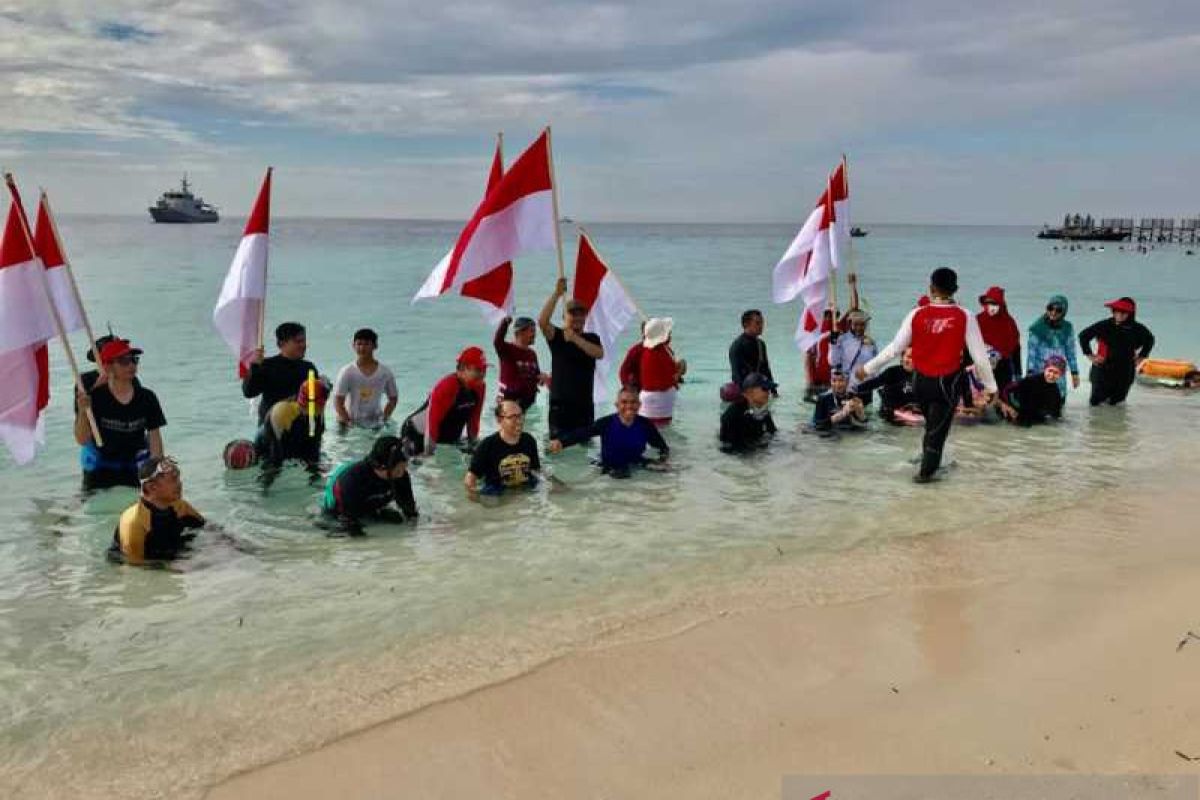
1035,400
357,491
276,378
741,430
895,385
748,354
1123,345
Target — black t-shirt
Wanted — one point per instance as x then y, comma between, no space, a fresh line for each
124,427
276,378
499,463
571,370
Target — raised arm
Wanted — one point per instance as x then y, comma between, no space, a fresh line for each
501,335
545,323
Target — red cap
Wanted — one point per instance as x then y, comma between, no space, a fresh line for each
994,294
1125,304
117,348
472,357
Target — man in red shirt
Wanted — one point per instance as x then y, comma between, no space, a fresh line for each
937,333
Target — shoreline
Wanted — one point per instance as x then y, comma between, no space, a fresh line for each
1040,649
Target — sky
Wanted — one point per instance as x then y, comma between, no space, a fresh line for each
662,110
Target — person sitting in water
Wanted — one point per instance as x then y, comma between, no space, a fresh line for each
158,526
1035,398
895,387
839,408
363,383
624,436
286,434
276,378
1124,344
128,416
520,375
746,424
358,490
454,406
508,459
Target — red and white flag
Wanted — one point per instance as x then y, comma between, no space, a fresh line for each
25,327
493,291
515,217
813,257
238,315
62,293
610,308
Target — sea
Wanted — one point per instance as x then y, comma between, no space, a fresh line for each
273,637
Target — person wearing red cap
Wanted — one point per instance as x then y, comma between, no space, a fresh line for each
453,406
1123,343
128,416
285,433
1001,333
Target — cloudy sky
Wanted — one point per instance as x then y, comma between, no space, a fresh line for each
694,110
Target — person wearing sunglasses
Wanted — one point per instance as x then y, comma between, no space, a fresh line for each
508,459
158,527
128,416
1052,334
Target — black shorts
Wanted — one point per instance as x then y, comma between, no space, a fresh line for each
566,416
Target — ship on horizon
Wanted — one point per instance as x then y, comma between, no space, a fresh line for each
182,206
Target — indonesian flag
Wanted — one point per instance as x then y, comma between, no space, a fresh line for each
515,217
62,293
817,249
240,307
25,327
493,291
610,308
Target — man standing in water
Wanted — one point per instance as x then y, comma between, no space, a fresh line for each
277,378
573,357
938,332
363,383
748,353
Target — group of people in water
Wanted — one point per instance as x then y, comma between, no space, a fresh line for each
943,363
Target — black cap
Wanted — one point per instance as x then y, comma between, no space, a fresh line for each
387,452
756,380
944,279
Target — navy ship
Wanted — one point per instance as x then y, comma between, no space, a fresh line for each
183,206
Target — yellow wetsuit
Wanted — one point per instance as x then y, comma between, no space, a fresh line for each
146,532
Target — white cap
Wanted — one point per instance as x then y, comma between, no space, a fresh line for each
658,330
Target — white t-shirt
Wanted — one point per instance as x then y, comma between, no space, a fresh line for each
364,393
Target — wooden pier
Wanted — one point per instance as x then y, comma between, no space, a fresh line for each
1147,230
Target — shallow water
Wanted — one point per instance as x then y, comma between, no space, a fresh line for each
273,635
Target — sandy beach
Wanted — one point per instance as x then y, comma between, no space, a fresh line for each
1062,646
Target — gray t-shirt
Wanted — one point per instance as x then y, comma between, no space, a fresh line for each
365,393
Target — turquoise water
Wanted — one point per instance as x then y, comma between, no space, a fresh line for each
131,682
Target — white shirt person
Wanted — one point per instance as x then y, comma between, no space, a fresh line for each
362,385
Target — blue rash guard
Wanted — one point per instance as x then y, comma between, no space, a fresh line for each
621,446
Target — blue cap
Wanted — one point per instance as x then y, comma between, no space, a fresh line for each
756,380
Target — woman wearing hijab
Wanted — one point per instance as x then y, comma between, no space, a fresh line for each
1052,334
1000,333
1123,344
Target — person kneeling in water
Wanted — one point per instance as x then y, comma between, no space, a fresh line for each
747,424
508,459
155,528
1035,398
624,436
360,489
895,385
285,433
838,408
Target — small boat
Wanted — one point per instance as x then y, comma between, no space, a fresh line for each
858,232
1084,234
183,207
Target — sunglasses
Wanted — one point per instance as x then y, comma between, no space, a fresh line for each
127,361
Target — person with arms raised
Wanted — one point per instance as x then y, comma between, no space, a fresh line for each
520,374
938,332
573,357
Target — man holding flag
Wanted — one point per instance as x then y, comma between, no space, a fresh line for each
573,356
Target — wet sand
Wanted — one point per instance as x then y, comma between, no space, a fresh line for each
1069,661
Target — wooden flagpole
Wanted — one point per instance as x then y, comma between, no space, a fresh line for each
562,271
262,312
58,323
585,234
87,323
